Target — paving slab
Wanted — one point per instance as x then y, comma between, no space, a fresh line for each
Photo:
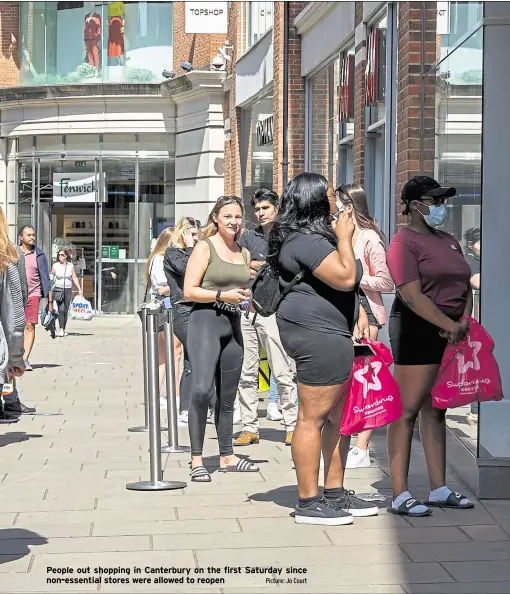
65,504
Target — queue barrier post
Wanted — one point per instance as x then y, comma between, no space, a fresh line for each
173,446
156,482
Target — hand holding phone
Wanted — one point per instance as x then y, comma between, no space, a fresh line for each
363,350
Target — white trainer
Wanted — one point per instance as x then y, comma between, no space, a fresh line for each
272,413
358,458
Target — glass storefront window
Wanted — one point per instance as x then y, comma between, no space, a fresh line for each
455,20
323,121
346,117
375,93
108,228
257,148
93,42
458,85
260,20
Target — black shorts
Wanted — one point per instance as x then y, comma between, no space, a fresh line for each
372,321
322,359
414,341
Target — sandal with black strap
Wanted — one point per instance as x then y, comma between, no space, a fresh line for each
200,474
241,466
453,501
405,507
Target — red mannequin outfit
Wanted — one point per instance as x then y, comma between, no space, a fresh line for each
91,36
116,15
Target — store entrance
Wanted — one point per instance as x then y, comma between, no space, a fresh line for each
88,208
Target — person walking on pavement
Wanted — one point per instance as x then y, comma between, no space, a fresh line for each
217,277
63,276
368,245
12,316
263,332
433,296
316,320
38,279
185,236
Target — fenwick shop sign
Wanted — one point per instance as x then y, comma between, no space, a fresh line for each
76,187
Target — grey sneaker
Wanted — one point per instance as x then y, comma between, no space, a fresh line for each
359,508
28,367
323,514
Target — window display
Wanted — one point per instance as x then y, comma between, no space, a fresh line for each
94,42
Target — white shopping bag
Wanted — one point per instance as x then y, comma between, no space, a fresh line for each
80,309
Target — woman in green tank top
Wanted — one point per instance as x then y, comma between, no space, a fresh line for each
216,280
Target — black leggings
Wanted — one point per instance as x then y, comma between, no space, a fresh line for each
215,347
181,315
63,308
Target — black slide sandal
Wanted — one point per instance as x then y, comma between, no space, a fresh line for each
452,502
200,474
405,507
241,466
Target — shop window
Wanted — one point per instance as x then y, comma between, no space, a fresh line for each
455,20
346,118
260,20
257,131
322,128
94,42
375,90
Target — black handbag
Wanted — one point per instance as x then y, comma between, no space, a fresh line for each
57,293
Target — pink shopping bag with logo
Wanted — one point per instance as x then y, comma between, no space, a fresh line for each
469,371
373,397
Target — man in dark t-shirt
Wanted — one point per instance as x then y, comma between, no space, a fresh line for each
263,332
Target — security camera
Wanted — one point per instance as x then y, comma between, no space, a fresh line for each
186,66
168,74
218,62
224,54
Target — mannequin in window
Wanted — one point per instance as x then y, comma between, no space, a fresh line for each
92,36
116,22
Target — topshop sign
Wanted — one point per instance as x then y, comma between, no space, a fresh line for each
206,17
75,187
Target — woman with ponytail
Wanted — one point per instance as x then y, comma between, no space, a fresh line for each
368,243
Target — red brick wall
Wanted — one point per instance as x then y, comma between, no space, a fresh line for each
9,31
409,93
296,100
359,101
232,153
199,49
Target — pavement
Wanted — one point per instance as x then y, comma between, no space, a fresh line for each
65,512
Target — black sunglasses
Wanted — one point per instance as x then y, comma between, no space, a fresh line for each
193,222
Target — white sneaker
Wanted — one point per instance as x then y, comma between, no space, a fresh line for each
183,417
358,458
272,413
210,417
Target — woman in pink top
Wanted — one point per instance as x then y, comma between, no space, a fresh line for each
368,245
433,296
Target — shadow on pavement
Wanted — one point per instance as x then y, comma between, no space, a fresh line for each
45,365
14,543
15,437
283,496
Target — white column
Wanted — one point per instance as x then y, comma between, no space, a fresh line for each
199,150
495,280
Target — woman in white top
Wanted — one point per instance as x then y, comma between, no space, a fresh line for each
63,275
155,277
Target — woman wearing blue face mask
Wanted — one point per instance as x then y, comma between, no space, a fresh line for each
433,294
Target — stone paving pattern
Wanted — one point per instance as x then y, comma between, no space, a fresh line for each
64,503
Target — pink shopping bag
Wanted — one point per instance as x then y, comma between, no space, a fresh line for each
469,371
373,397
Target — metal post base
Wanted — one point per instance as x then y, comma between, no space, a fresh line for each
176,449
155,486
140,429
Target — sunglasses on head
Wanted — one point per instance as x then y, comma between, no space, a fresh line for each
193,222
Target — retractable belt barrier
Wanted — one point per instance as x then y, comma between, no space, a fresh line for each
156,482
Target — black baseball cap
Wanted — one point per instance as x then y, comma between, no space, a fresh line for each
422,185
